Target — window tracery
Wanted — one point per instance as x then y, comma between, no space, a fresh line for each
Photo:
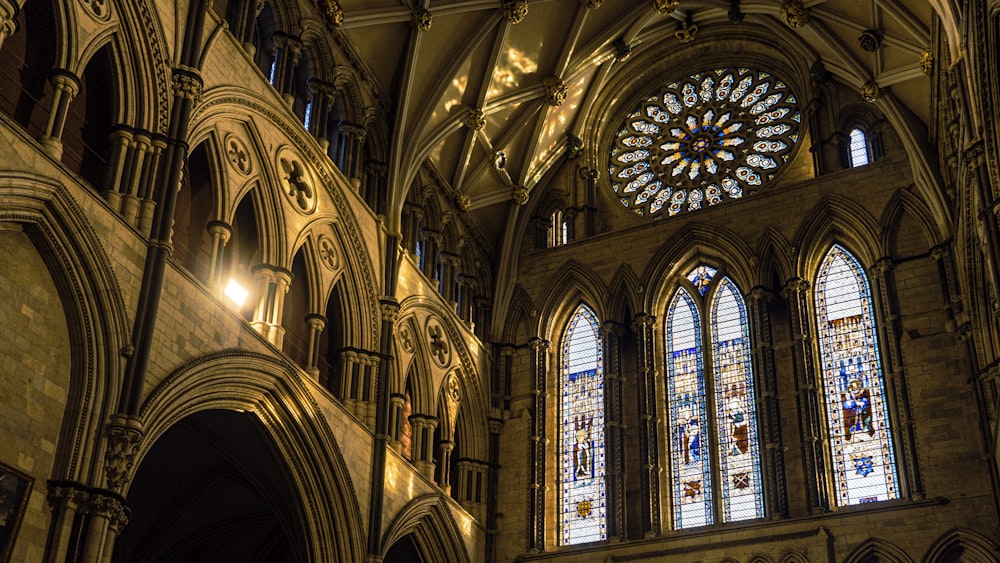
858,151
716,134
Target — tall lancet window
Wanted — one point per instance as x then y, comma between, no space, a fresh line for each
581,443
714,459
864,464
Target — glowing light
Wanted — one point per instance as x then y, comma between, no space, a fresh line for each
236,293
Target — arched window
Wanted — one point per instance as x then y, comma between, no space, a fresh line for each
714,459
864,464
858,149
581,434
558,229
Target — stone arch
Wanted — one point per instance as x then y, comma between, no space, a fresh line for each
272,390
683,251
574,284
835,219
774,258
434,531
962,545
875,550
520,313
906,205
95,311
625,293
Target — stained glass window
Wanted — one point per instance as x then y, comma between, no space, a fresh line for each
854,392
582,493
724,478
858,148
714,135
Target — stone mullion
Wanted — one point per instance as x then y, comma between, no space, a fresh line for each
796,291
119,162
536,454
649,439
614,433
354,137
316,324
376,185
890,328
288,50
432,242
768,408
220,233
322,95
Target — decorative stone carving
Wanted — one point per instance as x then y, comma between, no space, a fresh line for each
476,119
589,174
328,253
297,181
238,155
556,90
794,13
870,40
687,33
463,201
422,19
124,438
927,62
406,339
331,11
520,195
99,9
437,342
186,84
592,3
454,388
514,10
665,7
870,91
574,146
622,50
389,310
499,159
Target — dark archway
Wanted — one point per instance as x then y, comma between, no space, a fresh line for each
213,488
403,551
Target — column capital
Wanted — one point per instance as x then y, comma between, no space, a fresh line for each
539,344
186,83
795,286
287,41
124,435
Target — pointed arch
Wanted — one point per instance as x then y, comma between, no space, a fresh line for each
521,312
574,283
875,550
835,219
962,545
625,293
272,390
775,258
902,205
434,531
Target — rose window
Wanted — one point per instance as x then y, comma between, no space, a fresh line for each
713,135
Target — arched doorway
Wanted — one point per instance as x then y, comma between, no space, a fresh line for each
213,488
403,551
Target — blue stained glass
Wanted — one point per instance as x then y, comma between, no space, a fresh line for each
736,414
691,487
582,487
864,464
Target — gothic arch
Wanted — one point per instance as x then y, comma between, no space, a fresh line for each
962,545
835,219
435,532
519,313
274,392
874,550
575,283
905,204
93,305
625,293
774,257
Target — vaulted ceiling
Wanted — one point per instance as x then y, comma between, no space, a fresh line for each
467,79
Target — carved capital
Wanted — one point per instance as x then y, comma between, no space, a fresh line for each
124,435
495,425
882,267
556,90
589,174
665,7
353,132
67,494
476,119
794,13
520,195
795,287
642,321
390,310
422,19
539,344
760,294
940,252
514,10
186,84
321,89
286,42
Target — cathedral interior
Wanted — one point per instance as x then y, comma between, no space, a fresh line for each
491,281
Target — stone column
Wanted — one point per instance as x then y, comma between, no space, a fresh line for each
412,216
150,167
536,452
376,185
354,140
445,447
649,438
614,432
450,263
589,176
316,325
242,18
890,329
432,242
472,476
287,51
796,291
66,500
569,218
65,87
321,98
422,428
397,403
220,232
349,378
135,156
119,142
493,487
272,285
466,297
98,514
766,389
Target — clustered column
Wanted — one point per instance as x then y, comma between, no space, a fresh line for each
614,434
769,412
351,156
796,291
472,475
536,454
321,100
890,328
316,324
65,87
287,51
220,232
649,439
357,383
272,285
132,165
422,427
242,17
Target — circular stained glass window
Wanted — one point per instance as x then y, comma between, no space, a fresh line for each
713,135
